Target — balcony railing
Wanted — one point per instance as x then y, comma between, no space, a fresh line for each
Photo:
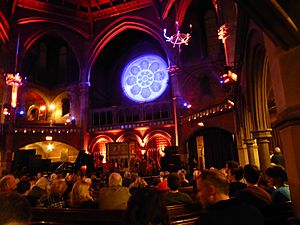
117,117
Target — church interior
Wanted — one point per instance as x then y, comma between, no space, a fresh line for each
201,82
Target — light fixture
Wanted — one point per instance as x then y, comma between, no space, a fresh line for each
14,80
52,107
50,147
178,38
42,107
49,138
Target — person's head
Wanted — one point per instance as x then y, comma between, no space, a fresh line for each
58,187
276,176
235,174
231,164
7,183
42,183
140,182
139,213
114,180
23,187
79,193
14,209
173,181
251,174
212,187
127,174
277,150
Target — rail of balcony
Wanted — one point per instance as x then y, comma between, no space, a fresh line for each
121,117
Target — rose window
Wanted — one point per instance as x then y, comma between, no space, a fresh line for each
145,78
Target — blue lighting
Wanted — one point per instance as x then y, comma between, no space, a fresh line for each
21,112
145,78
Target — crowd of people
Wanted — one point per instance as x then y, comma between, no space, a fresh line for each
231,195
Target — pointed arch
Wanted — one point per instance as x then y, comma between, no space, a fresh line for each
117,27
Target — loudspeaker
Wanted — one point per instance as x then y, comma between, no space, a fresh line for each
22,160
84,159
171,150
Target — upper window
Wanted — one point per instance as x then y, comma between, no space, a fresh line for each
145,78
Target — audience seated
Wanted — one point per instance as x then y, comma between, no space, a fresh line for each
127,179
80,196
55,199
114,196
7,183
163,185
23,188
183,181
254,194
39,189
276,177
14,209
138,183
146,207
213,189
174,197
234,176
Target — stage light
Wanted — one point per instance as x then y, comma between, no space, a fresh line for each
52,107
42,107
145,78
21,112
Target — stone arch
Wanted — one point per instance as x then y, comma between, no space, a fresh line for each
130,135
117,27
219,147
257,71
98,148
156,133
29,99
35,36
4,28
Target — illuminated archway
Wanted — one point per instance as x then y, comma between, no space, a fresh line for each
98,148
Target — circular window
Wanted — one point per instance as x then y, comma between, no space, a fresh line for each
145,78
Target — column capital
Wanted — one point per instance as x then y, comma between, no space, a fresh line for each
262,134
248,141
84,84
173,70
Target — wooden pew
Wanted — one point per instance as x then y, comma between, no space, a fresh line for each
69,216
184,214
178,214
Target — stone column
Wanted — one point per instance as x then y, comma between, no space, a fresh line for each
243,155
84,104
251,155
9,141
263,139
174,71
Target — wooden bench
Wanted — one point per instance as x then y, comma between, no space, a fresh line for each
69,216
184,214
178,214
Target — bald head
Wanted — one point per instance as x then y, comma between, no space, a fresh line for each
277,150
114,180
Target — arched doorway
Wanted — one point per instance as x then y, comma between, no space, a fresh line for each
217,146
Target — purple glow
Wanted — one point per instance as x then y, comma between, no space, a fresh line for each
145,78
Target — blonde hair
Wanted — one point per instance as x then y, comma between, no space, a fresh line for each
79,193
58,187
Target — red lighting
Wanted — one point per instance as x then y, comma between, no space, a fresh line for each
42,107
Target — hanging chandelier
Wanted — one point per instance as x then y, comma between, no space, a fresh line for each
178,38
